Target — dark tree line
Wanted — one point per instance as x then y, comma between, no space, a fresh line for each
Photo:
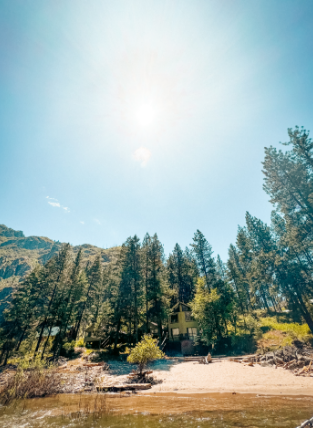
120,299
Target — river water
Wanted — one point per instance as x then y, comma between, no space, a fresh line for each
158,410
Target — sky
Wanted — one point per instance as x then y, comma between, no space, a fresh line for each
126,117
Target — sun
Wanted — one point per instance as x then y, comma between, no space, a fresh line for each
145,115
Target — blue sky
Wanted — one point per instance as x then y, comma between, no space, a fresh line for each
124,117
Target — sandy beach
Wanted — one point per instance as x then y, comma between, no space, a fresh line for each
227,376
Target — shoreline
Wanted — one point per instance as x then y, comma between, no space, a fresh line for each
230,377
187,377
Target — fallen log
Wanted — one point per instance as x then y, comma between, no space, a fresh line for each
93,364
305,369
307,423
124,387
288,364
134,374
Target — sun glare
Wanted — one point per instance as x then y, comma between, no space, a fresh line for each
145,115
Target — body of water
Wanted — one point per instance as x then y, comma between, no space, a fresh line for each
158,410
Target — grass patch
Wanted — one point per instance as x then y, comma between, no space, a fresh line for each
277,335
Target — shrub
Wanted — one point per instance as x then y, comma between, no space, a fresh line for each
33,378
277,335
297,331
68,349
80,342
144,352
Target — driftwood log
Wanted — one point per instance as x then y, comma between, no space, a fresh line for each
124,387
298,359
93,364
306,424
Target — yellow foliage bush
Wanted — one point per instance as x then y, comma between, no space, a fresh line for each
145,351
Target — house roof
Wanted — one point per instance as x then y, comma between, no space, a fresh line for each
175,307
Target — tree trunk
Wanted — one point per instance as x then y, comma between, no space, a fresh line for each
117,334
21,339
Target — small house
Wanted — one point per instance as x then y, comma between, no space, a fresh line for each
91,338
182,328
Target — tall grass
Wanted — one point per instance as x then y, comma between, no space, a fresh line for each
295,330
281,334
33,378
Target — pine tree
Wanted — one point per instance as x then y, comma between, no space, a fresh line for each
204,258
130,294
154,277
289,182
181,275
56,278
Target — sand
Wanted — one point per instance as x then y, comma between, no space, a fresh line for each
227,376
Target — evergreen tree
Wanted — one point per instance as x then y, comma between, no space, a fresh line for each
181,275
154,277
130,294
56,279
204,258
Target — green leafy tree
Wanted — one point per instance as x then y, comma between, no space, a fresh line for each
144,352
212,309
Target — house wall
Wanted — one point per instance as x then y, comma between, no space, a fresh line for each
182,324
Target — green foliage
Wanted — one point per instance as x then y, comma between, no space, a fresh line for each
282,334
182,275
80,342
213,309
33,378
156,287
69,347
144,352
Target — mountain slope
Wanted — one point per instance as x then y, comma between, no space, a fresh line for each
20,254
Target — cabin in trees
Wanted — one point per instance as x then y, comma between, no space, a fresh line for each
182,328
91,338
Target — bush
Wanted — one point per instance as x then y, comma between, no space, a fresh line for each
80,342
68,349
243,343
144,352
277,335
33,378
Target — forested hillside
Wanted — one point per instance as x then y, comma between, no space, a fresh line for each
269,273
20,254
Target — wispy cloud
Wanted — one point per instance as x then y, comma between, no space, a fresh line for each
97,221
142,155
82,222
55,203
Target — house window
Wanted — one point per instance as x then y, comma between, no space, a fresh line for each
192,331
175,332
174,319
188,316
